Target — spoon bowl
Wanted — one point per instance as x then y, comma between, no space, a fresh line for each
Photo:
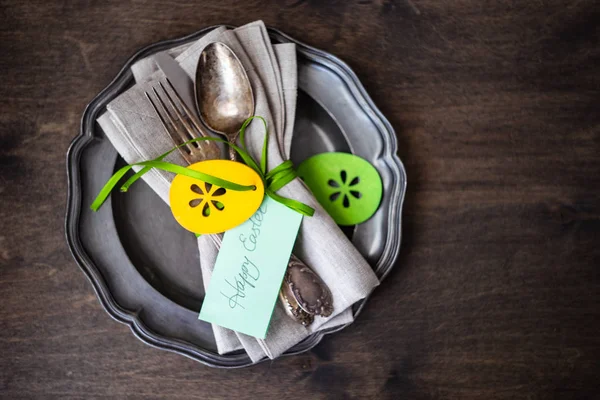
224,97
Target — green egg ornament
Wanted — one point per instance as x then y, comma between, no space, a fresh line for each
348,187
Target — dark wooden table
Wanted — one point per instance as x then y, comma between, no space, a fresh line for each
496,293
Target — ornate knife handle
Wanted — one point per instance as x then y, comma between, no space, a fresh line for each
304,294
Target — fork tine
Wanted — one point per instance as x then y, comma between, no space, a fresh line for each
192,117
186,156
162,120
180,116
177,124
174,126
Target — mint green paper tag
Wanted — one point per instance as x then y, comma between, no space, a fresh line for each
249,270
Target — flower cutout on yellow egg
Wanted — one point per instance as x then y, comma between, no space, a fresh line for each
206,200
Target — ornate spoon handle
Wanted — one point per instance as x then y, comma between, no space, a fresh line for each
304,294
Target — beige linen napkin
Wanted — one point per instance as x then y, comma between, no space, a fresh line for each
137,135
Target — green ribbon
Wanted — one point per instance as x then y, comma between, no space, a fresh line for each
273,180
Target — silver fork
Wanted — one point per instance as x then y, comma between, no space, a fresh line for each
181,124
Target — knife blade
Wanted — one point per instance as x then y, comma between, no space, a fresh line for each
183,84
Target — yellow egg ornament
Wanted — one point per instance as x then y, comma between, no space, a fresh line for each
204,208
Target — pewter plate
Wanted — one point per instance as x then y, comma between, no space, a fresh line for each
144,267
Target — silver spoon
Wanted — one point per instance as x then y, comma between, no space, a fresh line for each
225,100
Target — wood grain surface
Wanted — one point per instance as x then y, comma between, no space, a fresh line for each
497,291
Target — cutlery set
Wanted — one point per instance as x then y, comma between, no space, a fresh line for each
224,101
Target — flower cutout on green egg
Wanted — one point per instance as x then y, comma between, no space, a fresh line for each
346,189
